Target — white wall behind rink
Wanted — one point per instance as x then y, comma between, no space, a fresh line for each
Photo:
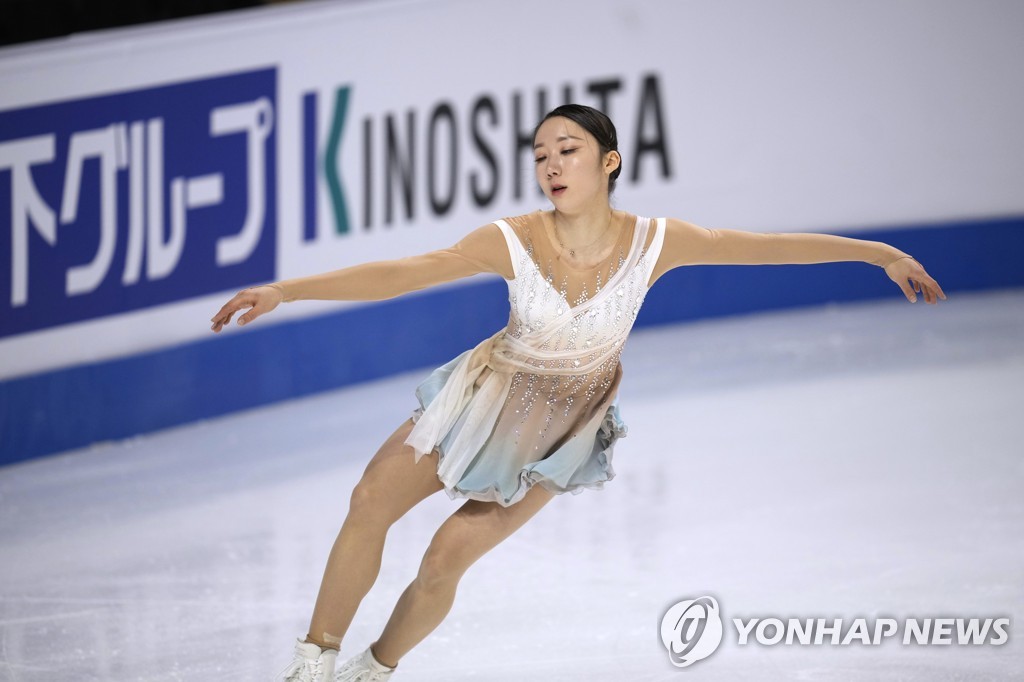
795,115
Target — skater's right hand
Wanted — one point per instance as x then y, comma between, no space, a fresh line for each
259,300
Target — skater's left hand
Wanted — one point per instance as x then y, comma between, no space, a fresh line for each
912,278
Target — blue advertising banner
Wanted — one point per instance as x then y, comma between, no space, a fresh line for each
130,200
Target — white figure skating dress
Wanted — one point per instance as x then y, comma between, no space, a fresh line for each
536,402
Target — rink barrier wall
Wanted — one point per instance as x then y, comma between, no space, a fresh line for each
74,407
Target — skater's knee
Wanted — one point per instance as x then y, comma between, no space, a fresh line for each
368,506
442,566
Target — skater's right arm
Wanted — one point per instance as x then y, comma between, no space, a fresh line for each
482,250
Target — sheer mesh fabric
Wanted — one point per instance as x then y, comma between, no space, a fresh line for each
546,283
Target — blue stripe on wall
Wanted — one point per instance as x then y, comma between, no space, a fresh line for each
309,166
73,407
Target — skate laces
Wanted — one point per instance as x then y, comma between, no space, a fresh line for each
303,669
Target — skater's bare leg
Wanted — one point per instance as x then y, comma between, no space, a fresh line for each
464,537
392,484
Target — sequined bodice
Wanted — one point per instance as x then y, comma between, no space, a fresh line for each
536,302
581,346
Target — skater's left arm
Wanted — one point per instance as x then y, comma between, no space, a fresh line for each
689,244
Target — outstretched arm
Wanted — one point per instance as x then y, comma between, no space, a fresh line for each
483,250
689,244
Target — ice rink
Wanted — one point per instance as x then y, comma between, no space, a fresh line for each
862,460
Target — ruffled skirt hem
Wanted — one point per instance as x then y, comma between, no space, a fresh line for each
611,429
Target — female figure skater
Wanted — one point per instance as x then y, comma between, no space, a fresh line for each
530,412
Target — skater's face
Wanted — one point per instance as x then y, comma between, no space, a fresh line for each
569,165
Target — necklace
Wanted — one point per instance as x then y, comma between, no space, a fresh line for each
572,252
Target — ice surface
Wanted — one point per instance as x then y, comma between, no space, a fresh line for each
840,462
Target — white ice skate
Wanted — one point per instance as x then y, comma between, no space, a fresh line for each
311,664
363,668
